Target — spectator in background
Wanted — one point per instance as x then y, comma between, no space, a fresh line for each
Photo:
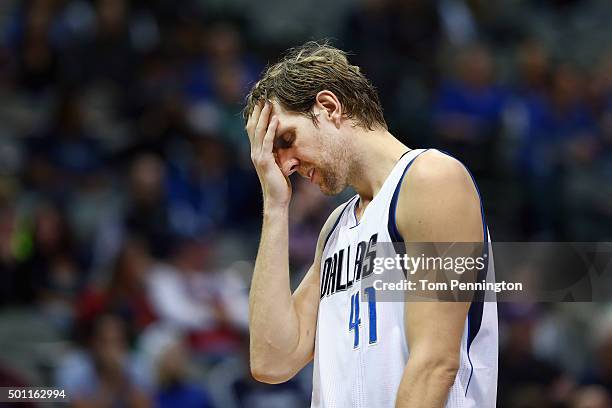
51,274
591,397
233,70
188,294
160,122
102,375
175,390
37,66
64,153
215,85
232,385
154,106
208,188
391,38
524,378
561,130
600,94
9,378
467,110
531,82
587,187
600,369
174,384
197,186
125,294
573,121
147,202
8,259
111,56
391,41
533,69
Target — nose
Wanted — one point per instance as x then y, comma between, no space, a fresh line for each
287,161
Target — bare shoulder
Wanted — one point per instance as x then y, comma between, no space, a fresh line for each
433,169
438,200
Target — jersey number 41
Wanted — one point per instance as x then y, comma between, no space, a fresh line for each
355,318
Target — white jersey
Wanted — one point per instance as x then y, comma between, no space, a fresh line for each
360,347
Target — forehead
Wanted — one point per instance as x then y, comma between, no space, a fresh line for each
288,120
281,112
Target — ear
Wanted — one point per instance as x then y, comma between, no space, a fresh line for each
327,104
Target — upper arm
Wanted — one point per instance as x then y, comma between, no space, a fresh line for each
306,298
438,202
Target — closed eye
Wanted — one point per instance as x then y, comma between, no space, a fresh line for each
284,142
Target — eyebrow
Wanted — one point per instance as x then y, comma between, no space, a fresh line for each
281,131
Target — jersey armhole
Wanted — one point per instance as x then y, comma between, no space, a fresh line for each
333,228
391,224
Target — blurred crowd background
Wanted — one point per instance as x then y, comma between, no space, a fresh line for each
130,213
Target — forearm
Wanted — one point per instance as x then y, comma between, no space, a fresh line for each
273,321
425,385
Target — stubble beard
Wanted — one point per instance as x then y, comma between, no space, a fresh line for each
334,170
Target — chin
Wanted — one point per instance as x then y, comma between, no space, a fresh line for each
330,191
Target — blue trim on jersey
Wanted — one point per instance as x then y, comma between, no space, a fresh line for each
354,212
467,387
391,226
357,222
474,317
331,231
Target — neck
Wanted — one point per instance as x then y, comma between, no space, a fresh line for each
374,156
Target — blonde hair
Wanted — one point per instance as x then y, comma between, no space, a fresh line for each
306,70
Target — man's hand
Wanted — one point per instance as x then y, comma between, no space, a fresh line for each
261,129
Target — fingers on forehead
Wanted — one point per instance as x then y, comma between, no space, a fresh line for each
258,106
255,112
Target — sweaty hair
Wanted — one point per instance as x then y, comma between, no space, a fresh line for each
308,69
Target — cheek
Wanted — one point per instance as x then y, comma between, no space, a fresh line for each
316,149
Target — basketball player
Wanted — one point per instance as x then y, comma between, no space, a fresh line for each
315,114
